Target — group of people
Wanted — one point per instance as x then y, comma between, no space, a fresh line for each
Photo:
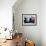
31,20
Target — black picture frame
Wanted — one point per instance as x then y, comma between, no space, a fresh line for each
29,19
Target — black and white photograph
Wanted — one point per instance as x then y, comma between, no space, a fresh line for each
29,19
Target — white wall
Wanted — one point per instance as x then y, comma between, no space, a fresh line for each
6,13
28,7
43,22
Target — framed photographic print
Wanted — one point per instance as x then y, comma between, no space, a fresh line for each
29,19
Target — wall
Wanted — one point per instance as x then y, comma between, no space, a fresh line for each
43,22
6,13
28,7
